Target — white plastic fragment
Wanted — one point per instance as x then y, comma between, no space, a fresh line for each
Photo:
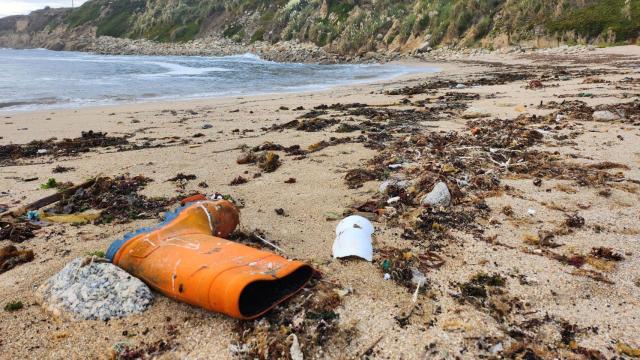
387,276
394,199
353,238
294,351
531,212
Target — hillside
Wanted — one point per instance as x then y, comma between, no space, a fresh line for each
344,27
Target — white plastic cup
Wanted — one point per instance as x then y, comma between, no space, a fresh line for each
353,238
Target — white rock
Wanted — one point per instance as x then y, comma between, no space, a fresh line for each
604,115
439,196
496,348
93,290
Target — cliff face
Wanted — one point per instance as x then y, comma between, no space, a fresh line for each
46,28
340,26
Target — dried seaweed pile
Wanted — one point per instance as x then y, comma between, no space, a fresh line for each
406,267
494,78
531,334
310,320
86,142
628,112
118,198
11,257
17,232
474,161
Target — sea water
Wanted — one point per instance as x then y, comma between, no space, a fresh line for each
33,79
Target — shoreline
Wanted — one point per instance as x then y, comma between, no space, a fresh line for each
402,70
519,157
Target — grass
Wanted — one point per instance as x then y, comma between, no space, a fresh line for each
232,30
447,21
89,11
341,8
600,18
258,35
115,26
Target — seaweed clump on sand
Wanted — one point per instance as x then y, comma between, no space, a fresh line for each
11,257
87,141
118,198
17,232
480,284
407,267
307,323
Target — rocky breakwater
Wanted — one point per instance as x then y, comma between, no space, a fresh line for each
286,51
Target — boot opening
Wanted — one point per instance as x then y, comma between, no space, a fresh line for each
262,295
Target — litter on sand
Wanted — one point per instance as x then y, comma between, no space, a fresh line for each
353,238
187,258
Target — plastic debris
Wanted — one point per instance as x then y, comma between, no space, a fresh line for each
206,270
295,352
394,199
33,215
353,238
79,218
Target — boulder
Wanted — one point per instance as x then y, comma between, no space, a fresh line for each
439,196
93,289
424,48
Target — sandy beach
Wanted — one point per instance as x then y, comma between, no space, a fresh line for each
542,229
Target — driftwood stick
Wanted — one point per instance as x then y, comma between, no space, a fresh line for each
48,200
370,347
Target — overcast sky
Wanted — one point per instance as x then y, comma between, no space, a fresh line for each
15,7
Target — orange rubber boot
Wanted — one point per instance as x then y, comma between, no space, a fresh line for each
182,260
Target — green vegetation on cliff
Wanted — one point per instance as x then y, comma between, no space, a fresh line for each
351,26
